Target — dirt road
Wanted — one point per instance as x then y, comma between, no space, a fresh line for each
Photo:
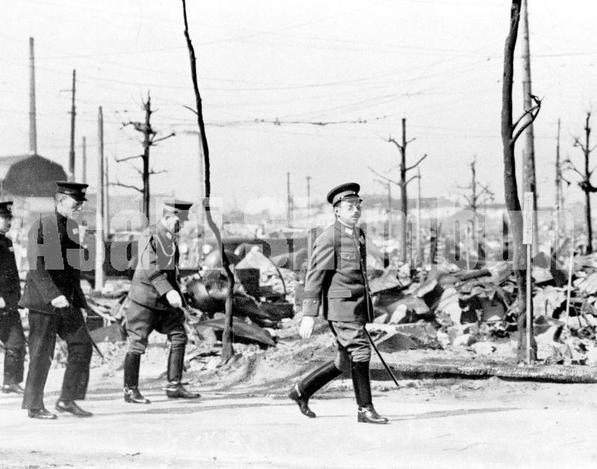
434,424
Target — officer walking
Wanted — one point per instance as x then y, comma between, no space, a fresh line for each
11,329
55,301
336,280
155,303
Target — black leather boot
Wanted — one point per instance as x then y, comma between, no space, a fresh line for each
303,390
13,370
175,388
362,391
132,362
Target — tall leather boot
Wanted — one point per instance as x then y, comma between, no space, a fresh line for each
132,362
303,390
13,371
362,391
175,388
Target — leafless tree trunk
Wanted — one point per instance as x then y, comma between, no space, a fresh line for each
403,183
227,348
510,133
585,182
149,139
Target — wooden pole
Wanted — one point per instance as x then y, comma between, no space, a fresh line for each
99,218
32,105
419,252
107,200
403,193
288,201
146,144
84,161
527,238
73,113
529,179
557,219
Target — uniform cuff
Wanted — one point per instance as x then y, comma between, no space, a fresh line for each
311,307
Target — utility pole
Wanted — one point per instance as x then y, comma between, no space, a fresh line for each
145,175
308,200
419,252
99,206
84,161
71,154
288,201
529,179
107,199
32,106
559,193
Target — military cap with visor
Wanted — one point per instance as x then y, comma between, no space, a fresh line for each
76,190
180,208
348,190
6,209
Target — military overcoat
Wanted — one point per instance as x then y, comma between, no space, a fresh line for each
10,286
55,259
335,280
157,268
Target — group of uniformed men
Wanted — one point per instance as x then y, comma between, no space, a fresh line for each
336,283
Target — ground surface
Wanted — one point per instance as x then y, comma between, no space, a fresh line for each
245,420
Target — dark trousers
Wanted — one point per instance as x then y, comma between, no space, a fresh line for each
69,325
13,338
140,321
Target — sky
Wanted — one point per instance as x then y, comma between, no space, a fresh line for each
359,67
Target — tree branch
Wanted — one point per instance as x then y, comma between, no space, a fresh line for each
153,141
120,160
391,140
417,163
532,113
416,176
383,177
127,186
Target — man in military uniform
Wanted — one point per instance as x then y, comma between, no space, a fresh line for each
55,301
336,280
155,303
11,329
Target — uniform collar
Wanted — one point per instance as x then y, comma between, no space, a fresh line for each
344,228
163,231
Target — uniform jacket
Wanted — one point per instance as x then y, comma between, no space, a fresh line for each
157,269
335,278
55,259
10,285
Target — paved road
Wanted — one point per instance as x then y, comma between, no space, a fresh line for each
550,426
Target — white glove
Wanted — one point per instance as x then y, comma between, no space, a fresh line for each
307,325
60,302
2,303
174,299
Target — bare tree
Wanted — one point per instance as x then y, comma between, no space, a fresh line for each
403,183
585,175
511,131
149,140
227,348
477,194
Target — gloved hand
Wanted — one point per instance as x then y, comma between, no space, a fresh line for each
174,299
307,325
2,303
60,302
